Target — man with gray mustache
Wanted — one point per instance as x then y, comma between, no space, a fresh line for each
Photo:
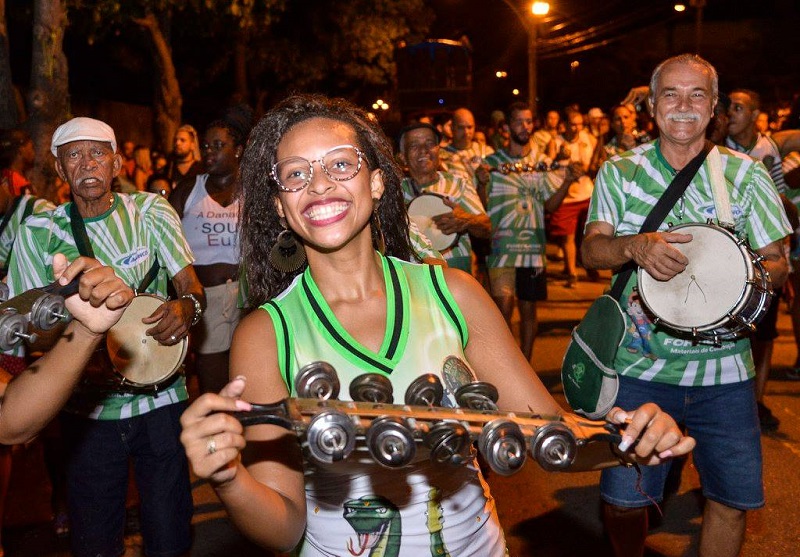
710,390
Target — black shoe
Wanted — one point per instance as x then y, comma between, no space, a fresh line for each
768,421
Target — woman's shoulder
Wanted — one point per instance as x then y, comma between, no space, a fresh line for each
460,283
256,329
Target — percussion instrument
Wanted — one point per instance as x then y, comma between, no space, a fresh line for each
520,168
721,294
330,428
40,308
421,211
141,363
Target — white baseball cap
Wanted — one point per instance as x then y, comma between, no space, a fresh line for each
82,129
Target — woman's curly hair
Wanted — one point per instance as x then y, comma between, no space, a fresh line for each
259,221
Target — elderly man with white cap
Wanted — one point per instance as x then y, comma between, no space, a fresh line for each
108,422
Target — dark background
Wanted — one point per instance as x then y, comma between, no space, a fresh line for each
752,44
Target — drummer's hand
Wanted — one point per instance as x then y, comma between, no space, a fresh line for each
653,253
173,320
454,222
212,438
659,437
102,295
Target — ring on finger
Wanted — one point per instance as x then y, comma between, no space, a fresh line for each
211,446
173,338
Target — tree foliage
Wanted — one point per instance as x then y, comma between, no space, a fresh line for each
338,46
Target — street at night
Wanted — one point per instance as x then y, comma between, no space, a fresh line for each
543,514
367,195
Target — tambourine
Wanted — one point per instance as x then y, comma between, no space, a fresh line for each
141,363
330,428
520,168
421,211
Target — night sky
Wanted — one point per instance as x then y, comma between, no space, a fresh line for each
606,73
753,44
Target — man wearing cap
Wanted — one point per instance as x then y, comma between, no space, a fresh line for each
106,423
419,150
593,120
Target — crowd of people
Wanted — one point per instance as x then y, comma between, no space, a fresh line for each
298,241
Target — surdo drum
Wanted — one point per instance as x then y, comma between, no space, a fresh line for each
720,295
142,363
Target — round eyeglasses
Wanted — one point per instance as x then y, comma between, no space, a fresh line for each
340,164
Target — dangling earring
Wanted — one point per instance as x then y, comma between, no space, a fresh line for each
287,255
377,232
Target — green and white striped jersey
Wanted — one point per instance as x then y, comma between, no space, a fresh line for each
27,204
626,189
515,204
135,230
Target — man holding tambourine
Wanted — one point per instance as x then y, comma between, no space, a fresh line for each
110,421
701,375
445,207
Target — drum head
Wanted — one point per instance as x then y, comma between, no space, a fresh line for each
712,285
421,211
137,357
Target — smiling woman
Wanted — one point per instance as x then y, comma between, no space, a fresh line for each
376,316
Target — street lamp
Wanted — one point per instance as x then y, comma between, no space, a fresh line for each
538,9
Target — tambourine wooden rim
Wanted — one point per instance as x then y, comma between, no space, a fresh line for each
140,360
421,211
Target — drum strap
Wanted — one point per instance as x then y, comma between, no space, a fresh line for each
85,246
722,201
668,199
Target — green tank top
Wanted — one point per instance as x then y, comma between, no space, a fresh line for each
358,507
424,327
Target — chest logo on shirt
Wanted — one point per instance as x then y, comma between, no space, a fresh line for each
709,211
132,259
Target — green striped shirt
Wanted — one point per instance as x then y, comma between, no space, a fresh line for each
626,189
136,228
515,204
15,221
462,192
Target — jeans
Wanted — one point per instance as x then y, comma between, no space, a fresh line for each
724,422
98,456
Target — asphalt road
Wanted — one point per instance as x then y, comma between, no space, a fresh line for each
544,514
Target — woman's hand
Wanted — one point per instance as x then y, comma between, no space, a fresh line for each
656,434
212,438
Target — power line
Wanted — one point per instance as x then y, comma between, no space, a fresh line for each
572,43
